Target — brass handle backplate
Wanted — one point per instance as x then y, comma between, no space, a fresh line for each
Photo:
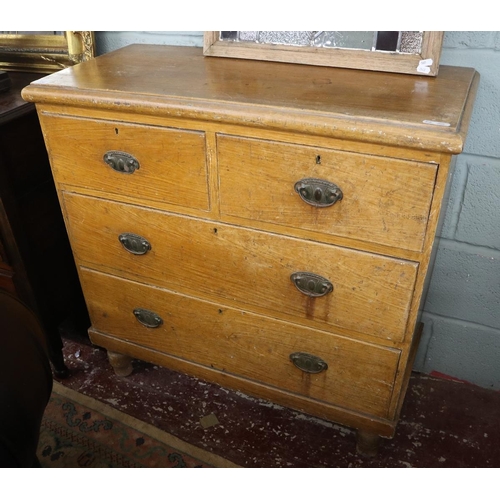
311,284
308,362
121,162
134,243
318,192
147,318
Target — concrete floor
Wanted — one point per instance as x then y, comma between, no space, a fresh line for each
443,423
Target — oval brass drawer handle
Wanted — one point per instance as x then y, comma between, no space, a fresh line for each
134,243
147,318
311,284
318,192
121,162
308,362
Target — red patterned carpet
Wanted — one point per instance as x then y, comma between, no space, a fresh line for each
80,432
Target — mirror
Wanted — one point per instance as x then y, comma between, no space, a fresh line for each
415,52
44,51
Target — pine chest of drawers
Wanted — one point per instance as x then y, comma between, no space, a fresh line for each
265,226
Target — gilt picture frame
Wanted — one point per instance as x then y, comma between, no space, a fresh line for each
45,52
423,61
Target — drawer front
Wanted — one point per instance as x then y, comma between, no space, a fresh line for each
384,200
252,269
170,164
359,376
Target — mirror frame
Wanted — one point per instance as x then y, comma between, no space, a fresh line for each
45,53
426,63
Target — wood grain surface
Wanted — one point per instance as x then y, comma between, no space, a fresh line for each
384,200
221,143
371,294
359,375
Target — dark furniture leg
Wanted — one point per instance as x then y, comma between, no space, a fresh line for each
56,357
367,443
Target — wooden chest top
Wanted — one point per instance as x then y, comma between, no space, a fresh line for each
385,108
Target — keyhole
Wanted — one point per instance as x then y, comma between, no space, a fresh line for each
318,160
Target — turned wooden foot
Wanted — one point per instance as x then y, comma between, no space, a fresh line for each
122,364
367,443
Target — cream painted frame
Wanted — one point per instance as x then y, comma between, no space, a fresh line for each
45,53
426,63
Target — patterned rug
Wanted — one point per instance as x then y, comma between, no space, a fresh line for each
80,432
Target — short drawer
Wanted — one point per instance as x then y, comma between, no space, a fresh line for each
135,161
358,376
252,269
383,200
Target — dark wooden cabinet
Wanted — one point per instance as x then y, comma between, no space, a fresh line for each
36,263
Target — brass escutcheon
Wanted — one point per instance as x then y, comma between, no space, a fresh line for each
318,192
134,243
308,363
147,318
121,162
311,284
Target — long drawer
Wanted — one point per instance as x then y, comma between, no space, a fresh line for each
383,200
370,294
358,375
136,161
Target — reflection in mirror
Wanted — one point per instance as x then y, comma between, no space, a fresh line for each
408,42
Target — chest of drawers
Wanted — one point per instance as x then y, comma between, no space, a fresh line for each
265,226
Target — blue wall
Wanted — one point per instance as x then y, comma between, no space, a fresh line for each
462,312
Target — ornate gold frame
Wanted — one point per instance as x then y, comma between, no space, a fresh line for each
45,53
426,63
